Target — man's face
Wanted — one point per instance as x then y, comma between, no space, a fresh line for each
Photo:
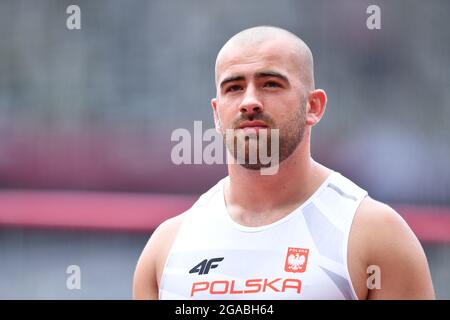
260,86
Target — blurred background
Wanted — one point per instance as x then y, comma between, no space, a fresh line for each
86,118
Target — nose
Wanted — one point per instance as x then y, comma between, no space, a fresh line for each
251,104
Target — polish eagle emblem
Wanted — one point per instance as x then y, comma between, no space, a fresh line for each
296,260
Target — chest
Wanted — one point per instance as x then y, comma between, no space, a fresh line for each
278,263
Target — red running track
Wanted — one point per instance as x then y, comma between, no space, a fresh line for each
144,212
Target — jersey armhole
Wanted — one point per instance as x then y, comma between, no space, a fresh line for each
346,244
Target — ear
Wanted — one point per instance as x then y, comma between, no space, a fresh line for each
315,108
216,115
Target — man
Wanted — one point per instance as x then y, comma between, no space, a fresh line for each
305,232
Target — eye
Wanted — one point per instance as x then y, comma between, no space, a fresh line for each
233,88
272,84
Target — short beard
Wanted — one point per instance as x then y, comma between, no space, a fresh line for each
290,136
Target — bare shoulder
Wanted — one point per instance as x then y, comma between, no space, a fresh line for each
381,238
151,262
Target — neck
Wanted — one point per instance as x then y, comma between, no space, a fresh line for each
251,196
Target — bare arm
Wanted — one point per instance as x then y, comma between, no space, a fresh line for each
150,265
145,285
394,250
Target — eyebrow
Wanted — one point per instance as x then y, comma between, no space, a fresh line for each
231,79
262,74
265,74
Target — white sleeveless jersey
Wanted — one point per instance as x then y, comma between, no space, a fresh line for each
301,256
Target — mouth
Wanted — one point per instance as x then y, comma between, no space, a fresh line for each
253,125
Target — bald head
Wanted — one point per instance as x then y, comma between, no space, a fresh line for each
266,37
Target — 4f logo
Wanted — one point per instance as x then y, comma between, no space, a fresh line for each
206,265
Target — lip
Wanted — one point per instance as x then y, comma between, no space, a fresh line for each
253,124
